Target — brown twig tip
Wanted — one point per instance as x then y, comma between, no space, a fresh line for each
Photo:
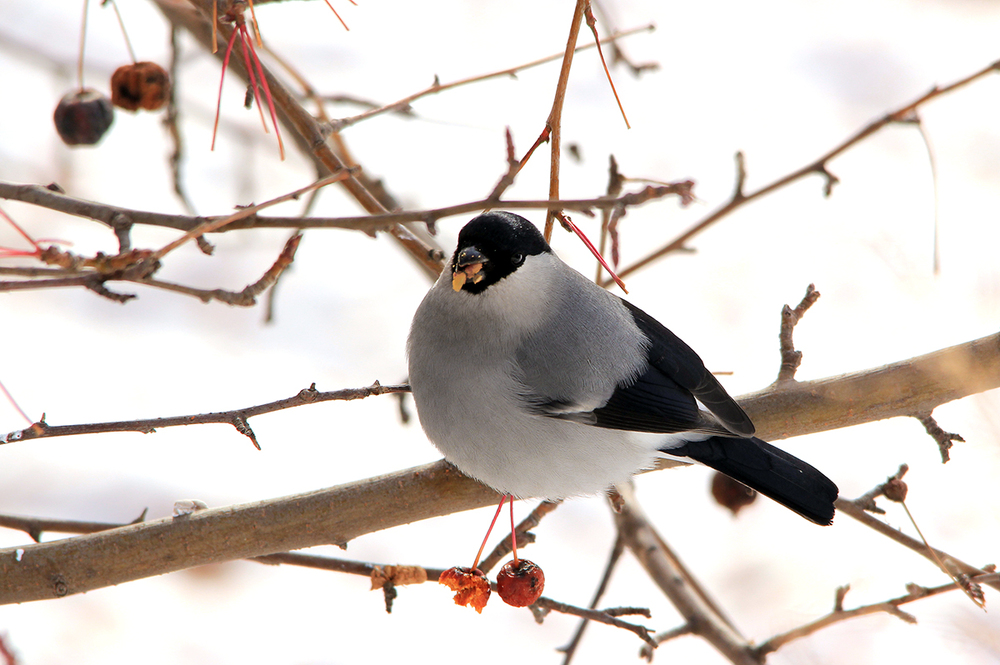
790,358
838,601
741,177
646,653
513,168
944,439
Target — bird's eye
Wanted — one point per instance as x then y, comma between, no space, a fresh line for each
517,259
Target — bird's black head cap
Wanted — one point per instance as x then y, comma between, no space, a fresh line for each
504,239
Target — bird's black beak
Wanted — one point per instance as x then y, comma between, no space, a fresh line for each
468,266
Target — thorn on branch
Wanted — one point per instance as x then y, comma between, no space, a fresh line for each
831,180
944,439
741,177
838,601
896,612
790,358
243,427
390,593
205,246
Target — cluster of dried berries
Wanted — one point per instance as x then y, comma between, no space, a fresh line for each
520,583
84,116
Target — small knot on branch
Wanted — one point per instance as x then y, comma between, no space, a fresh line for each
308,394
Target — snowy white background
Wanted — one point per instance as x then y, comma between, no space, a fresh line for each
782,81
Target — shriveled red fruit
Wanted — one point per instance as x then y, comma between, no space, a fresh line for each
730,493
520,583
470,586
141,85
82,117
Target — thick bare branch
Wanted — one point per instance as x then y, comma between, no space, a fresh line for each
338,514
666,570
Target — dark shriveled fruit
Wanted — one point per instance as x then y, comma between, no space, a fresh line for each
520,583
141,85
730,493
82,117
470,586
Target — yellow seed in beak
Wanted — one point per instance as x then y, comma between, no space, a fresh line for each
458,280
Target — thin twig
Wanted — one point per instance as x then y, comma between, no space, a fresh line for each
36,526
944,439
790,358
553,124
669,573
42,430
46,198
616,552
404,103
819,166
848,507
539,608
308,134
600,616
891,606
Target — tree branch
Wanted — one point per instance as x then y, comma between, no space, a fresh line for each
108,214
700,612
914,592
339,514
819,166
42,430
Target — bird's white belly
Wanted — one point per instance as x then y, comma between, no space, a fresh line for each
529,456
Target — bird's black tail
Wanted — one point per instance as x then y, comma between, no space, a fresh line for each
772,472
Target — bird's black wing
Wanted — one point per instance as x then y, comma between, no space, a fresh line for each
663,398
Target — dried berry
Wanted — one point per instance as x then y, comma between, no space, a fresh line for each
470,586
730,493
520,582
82,117
895,490
141,85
